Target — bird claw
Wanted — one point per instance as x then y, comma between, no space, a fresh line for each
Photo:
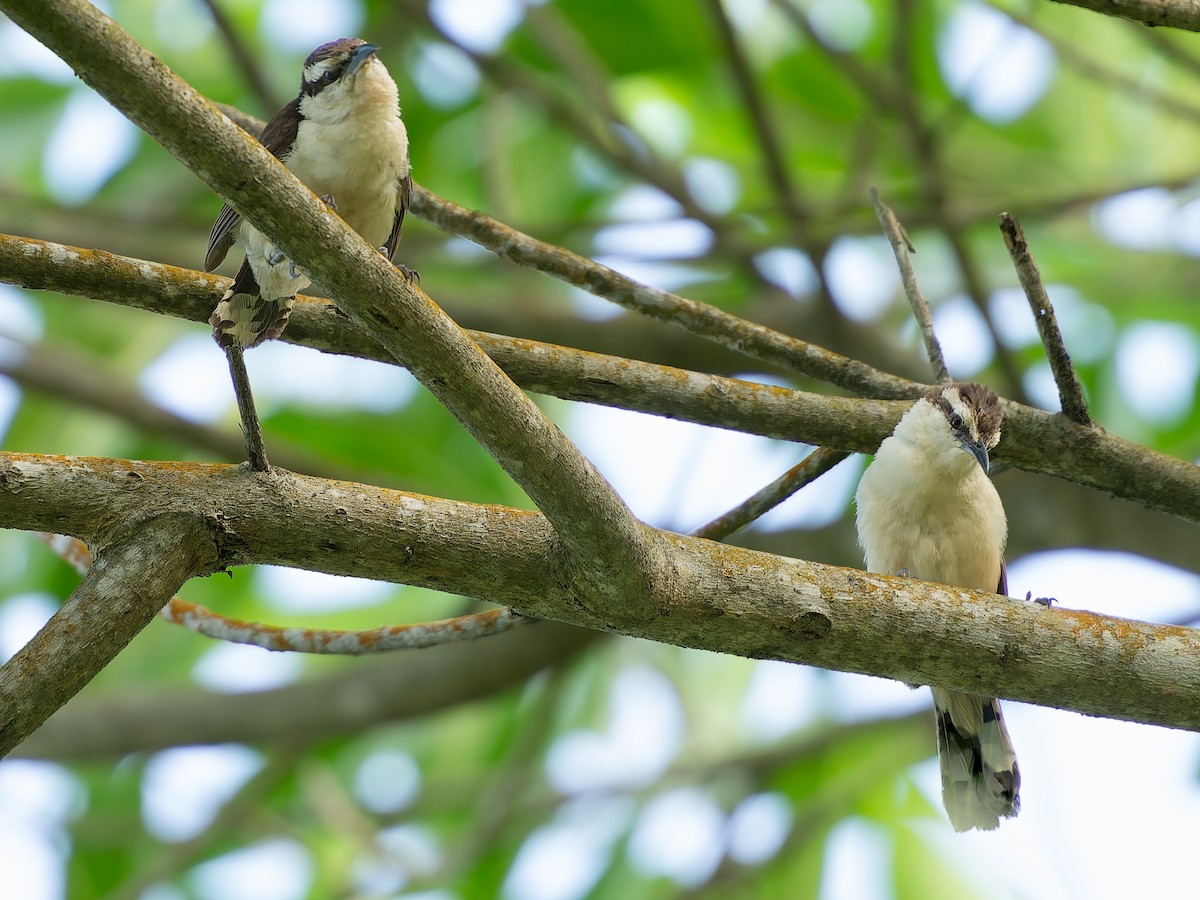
412,276
1040,601
329,201
275,257
903,573
295,271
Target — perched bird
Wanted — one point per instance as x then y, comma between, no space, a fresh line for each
927,509
343,137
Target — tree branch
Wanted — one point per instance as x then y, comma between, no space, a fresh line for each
1033,439
901,248
1183,14
720,598
1070,391
133,577
613,554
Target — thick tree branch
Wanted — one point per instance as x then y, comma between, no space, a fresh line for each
613,553
1183,14
720,598
133,577
1033,439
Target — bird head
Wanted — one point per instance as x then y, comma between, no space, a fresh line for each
971,415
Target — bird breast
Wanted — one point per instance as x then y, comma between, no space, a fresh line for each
359,160
937,526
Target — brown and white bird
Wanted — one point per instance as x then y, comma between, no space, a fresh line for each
927,509
343,137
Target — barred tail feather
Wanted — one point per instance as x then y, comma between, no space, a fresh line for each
980,778
243,315
249,319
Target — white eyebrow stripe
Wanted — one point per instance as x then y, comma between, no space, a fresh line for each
317,70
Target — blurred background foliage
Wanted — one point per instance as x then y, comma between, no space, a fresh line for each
720,150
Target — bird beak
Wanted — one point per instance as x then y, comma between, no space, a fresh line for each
359,57
978,450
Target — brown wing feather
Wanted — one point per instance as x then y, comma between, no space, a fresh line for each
393,240
220,239
278,136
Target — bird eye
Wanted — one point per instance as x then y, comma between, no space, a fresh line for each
956,421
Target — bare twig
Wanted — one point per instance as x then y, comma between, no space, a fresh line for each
66,374
256,451
698,318
341,643
901,247
1070,391
767,498
308,640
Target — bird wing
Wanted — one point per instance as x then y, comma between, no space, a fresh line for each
393,240
278,136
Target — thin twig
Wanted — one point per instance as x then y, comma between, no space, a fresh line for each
341,643
66,374
256,452
767,498
901,247
702,319
1070,391
307,640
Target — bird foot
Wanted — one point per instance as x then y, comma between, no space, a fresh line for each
274,257
329,201
903,573
1040,601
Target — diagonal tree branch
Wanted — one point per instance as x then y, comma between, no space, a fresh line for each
133,577
1070,391
721,598
901,248
699,318
1183,14
612,552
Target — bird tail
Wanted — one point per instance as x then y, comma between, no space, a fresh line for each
244,316
980,778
